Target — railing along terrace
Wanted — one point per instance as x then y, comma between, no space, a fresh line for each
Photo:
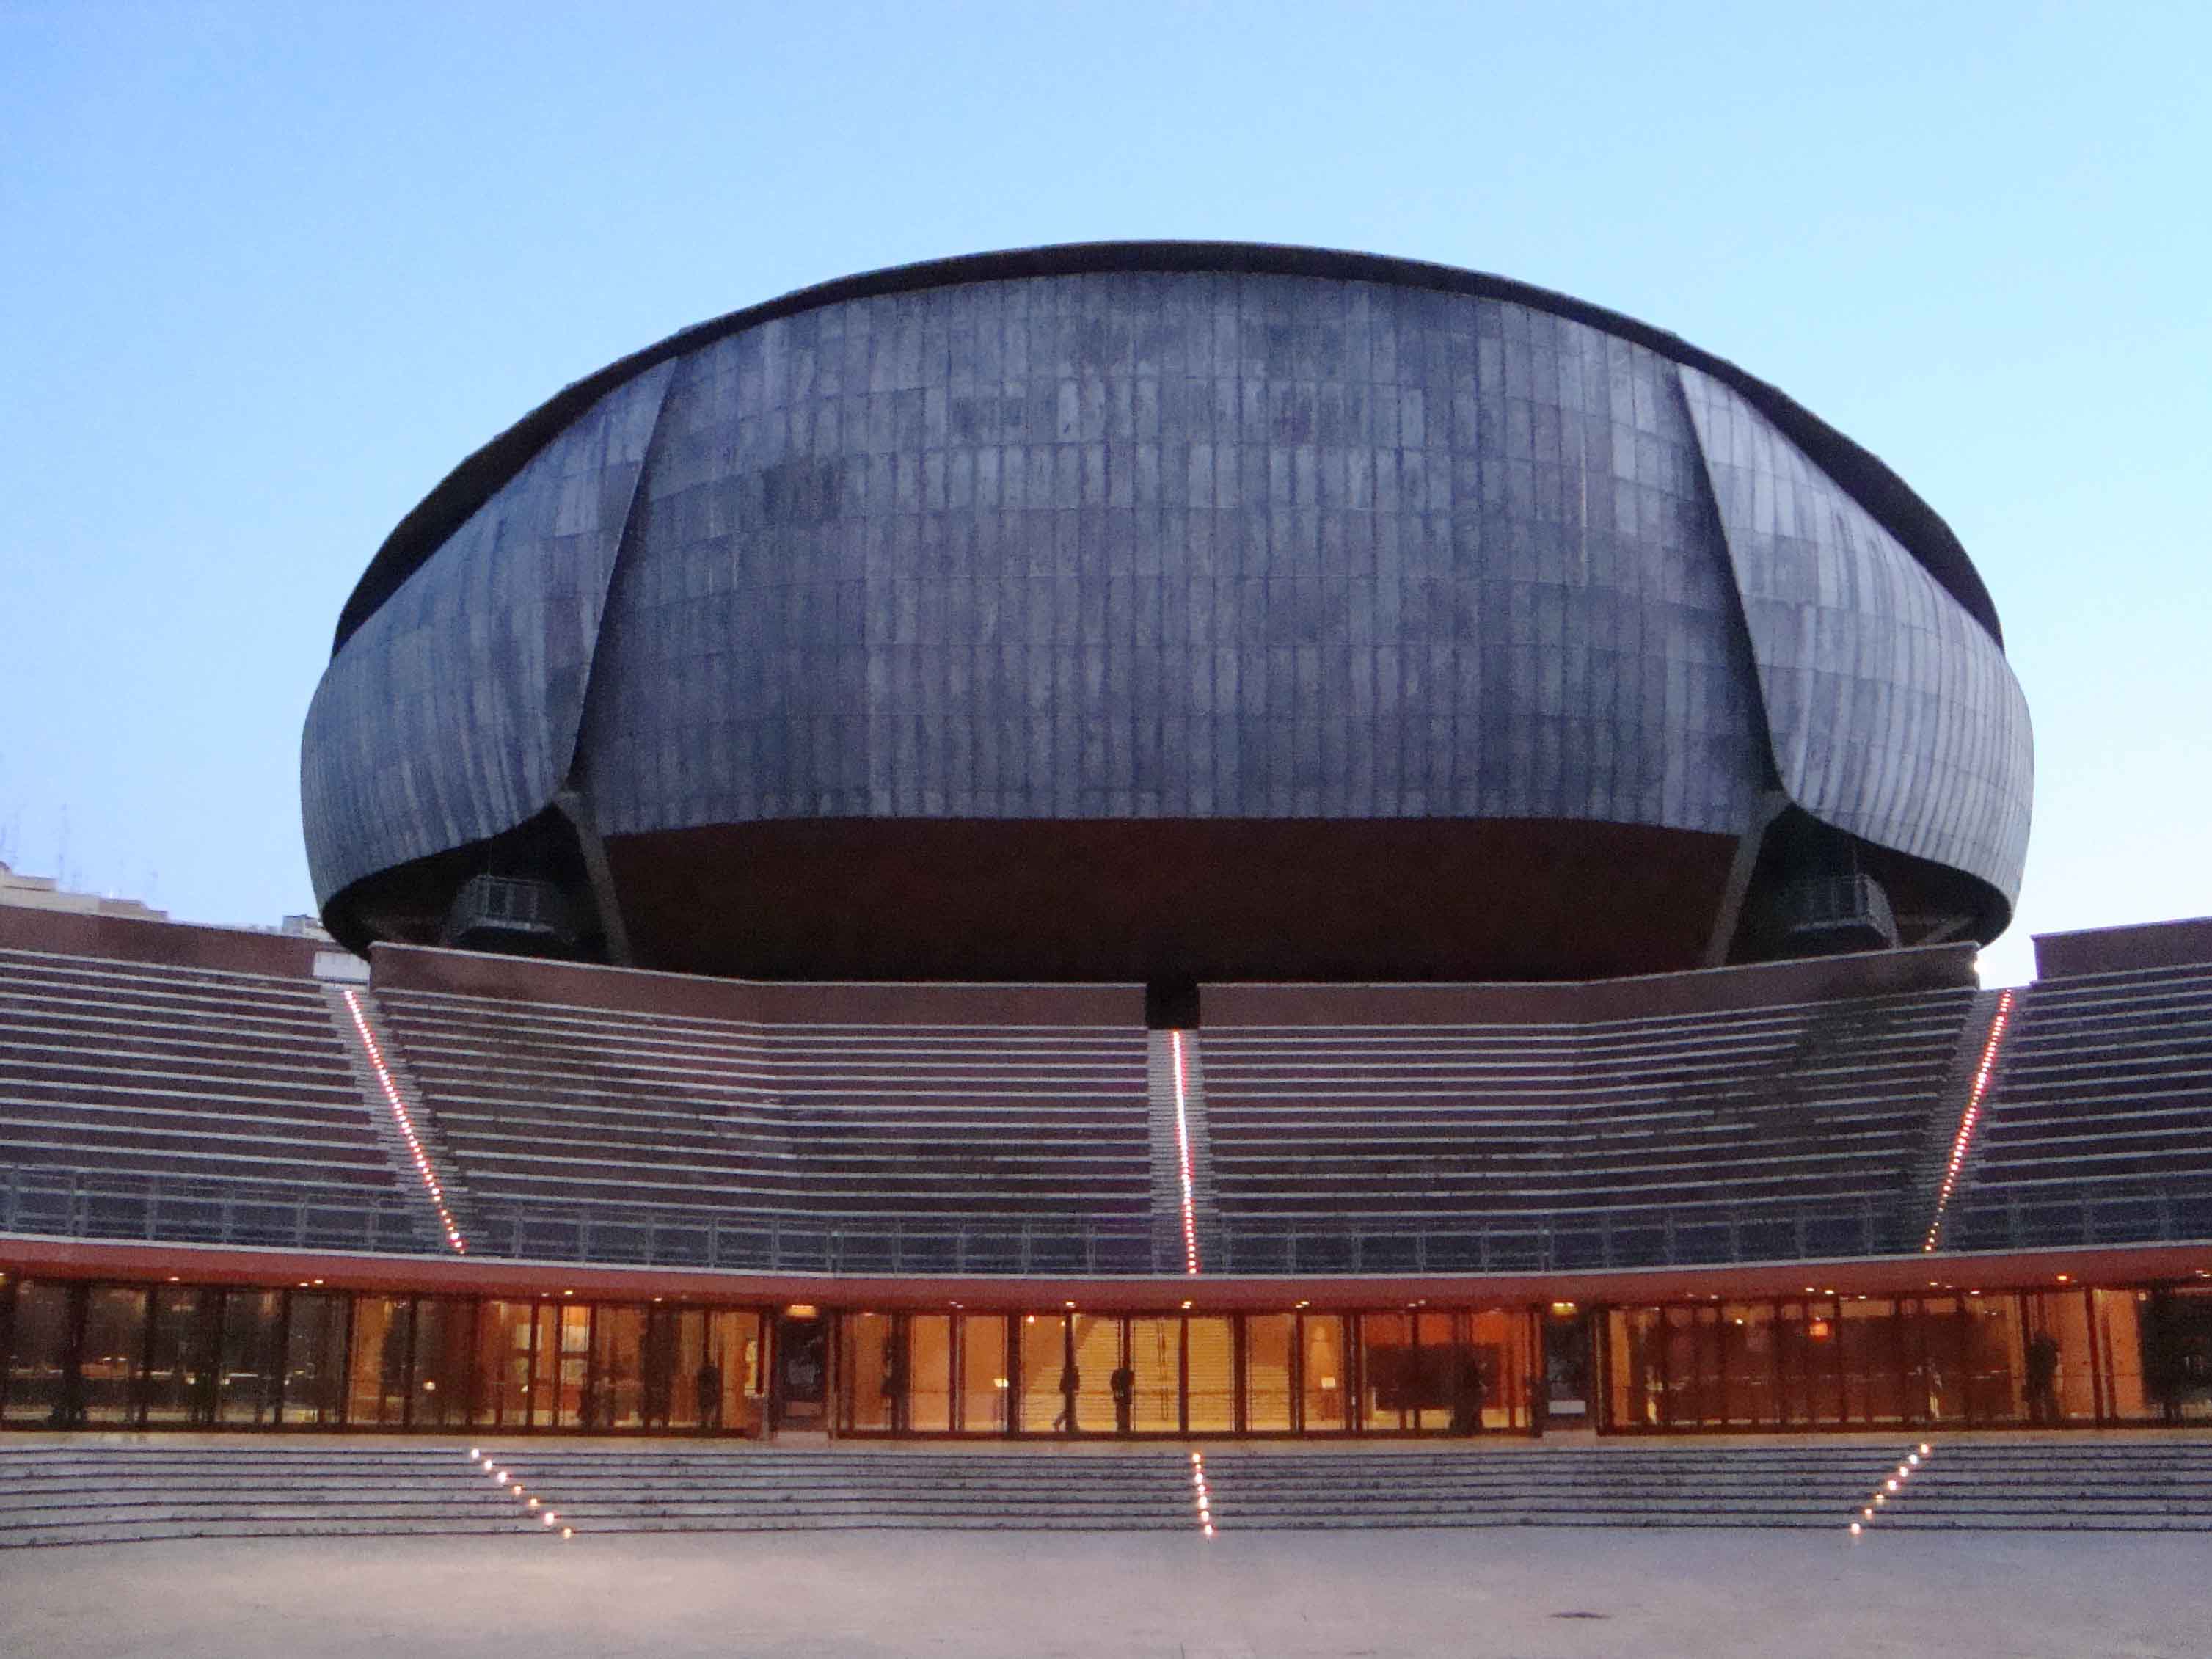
100,1204
75,1203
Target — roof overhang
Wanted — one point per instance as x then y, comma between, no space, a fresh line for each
2105,1265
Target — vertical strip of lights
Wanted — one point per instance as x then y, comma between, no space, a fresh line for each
406,1123
1202,1499
1183,1159
1963,1142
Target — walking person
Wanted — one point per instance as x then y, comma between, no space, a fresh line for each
1070,1383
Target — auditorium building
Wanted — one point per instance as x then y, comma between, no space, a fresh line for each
1169,839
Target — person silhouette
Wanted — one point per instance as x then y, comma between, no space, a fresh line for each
2043,1378
708,1386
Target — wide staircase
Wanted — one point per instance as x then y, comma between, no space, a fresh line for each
93,1493
773,1490
2080,1486
90,1494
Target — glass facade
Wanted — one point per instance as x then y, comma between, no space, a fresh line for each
198,1356
107,1355
2060,1357
1416,1371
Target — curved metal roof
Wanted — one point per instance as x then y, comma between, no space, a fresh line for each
1868,481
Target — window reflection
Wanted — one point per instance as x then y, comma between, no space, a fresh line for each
314,1360
1267,1383
1324,1390
181,1370
381,1327
252,1361
42,1384
1156,1375
929,1373
1043,1359
985,1390
113,1350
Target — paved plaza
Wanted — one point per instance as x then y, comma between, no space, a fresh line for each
1531,1594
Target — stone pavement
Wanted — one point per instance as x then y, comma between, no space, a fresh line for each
1527,1594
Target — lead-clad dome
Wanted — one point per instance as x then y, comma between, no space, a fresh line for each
1169,611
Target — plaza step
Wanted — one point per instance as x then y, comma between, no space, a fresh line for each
2128,1487
94,1492
106,1494
769,1490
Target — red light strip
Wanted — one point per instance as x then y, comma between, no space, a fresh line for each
1963,1142
1202,1499
406,1123
1183,1154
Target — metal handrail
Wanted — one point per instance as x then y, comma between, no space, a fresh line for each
93,1203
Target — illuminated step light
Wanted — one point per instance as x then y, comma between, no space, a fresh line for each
1201,1498
405,1122
1962,1142
1182,1157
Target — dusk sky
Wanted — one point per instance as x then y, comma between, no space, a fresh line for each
271,270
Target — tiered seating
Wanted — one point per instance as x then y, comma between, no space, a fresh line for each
1766,1116
1417,1120
2099,1128
1814,1103
545,1106
1009,1121
555,1106
132,1070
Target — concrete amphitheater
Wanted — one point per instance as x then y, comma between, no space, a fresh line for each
1086,949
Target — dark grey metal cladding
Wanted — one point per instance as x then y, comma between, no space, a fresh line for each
1893,714
1159,544
451,714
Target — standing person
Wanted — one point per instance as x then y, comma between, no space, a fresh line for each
895,1383
708,1385
1071,1382
2043,1378
1467,1401
1124,1384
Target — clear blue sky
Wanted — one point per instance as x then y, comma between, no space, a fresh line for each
271,270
